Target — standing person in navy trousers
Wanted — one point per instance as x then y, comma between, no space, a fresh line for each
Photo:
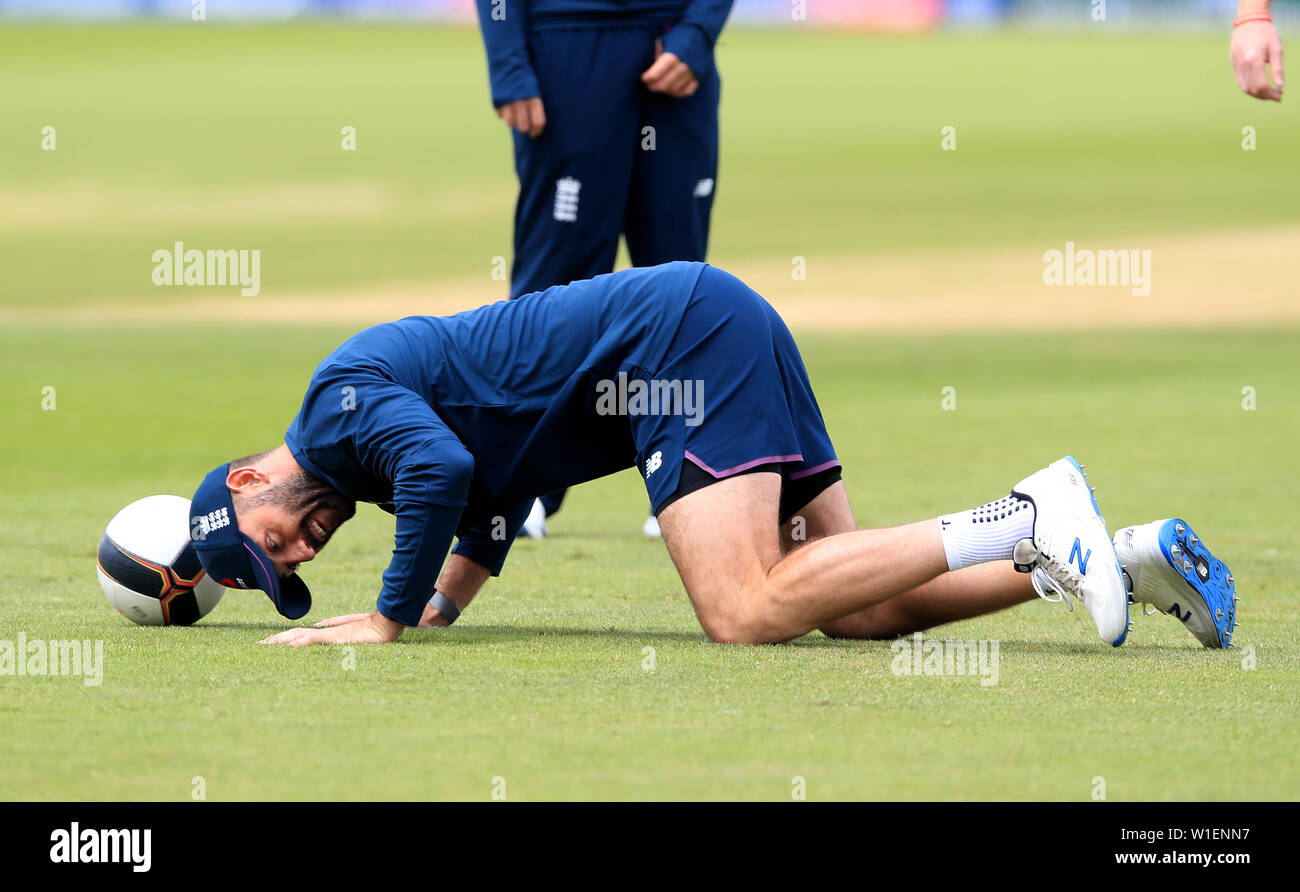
613,106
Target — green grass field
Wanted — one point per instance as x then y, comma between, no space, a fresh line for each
229,137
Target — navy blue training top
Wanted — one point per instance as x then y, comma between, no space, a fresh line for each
454,422
691,30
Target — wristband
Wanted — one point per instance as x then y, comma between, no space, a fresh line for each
1252,17
445,607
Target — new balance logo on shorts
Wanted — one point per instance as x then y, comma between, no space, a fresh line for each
566,199
652,463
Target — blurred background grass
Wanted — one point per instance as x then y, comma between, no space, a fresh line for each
230,136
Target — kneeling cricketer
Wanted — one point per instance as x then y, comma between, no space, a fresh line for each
455,424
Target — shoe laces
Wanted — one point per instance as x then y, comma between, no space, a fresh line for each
1047,573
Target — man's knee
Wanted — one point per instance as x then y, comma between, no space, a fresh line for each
759,616
738,625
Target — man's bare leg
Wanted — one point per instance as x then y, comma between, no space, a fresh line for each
727,547
960,594
726,544
956,595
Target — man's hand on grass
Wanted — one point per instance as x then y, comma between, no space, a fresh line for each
356,628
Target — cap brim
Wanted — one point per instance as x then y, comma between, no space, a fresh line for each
290,596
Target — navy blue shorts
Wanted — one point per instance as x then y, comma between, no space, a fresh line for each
751,403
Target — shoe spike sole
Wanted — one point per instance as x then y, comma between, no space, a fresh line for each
1189,557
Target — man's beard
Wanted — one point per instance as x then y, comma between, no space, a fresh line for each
302,495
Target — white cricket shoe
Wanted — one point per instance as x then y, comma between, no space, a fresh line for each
1171,569
1074,553
651,527
535,524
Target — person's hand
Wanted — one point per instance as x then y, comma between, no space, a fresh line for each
669,74
1256,47
369,628
340,620
525,115
431,618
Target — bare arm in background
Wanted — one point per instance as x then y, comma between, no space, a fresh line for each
1256,49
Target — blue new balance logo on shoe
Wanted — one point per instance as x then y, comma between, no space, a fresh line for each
1078,557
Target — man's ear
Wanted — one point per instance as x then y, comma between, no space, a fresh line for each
245,480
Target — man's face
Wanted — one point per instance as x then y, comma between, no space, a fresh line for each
292,519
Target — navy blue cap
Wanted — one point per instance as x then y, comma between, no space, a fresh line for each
233,559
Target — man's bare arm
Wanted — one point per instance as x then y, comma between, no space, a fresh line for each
460,581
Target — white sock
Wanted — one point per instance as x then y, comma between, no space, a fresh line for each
986,533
